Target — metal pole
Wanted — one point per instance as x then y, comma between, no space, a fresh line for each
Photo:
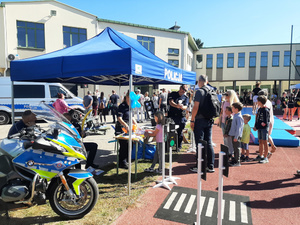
12,104
130,137
220,191
291,46
199,183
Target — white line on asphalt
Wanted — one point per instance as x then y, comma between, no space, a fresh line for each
170,200
180,201
244,216
189,206
210,207
202,200
232,211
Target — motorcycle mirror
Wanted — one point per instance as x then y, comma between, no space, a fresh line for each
55,133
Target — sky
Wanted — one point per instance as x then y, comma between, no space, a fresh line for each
215,22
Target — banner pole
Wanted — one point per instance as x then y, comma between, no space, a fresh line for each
220,191
130,137
199,183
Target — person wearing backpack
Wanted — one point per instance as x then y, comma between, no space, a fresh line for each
178,104
102,107
206,107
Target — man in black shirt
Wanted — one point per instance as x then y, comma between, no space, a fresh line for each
255,95
178,104
113,101
28,120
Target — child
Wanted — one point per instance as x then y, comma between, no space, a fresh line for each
245,138
158,134
228,122
262,122
236,132
291,106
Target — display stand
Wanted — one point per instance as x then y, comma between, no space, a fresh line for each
192,147
220,190
170,178
199,183
163,182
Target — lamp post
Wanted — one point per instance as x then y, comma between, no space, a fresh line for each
290,57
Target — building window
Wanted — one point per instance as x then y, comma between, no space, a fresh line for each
173,51
287,59
209,61
199,63
219,61
147,42
252,59
73,36
241,60
30,35
264,59
173,62
297,58
275,59
230,60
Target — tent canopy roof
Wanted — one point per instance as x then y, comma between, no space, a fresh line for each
106,59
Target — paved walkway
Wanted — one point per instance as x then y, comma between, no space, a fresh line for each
273,189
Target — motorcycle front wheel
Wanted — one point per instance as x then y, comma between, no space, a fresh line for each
62,204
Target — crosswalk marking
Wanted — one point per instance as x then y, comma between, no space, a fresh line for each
223,208
189,206
210,207
181,206
244,216
171,199
180,201
232,210
202,200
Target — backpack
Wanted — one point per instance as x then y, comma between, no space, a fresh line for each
211,107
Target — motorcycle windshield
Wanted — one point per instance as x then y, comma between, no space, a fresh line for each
49,114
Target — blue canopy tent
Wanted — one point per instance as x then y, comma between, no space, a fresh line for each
110,58
106,59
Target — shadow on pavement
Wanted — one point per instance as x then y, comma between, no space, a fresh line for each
255,185
288,201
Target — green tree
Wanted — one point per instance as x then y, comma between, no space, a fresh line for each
199,43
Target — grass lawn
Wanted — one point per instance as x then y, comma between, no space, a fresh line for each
113,198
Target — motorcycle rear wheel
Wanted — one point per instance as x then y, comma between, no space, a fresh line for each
62,205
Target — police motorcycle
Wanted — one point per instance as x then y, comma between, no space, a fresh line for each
37,164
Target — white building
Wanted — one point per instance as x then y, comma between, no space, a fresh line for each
238,67
34,28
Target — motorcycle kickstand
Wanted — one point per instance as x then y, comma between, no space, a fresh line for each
7,213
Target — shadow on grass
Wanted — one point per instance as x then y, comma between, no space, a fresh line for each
30,220
110,175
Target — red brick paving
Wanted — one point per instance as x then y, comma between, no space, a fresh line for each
273,189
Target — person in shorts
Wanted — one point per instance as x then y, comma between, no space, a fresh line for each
245,139
262,123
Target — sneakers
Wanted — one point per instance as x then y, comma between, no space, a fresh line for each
247,159
242,158
210,169
149,170
235,165
269,155
264,160
258,158
194,169
158,171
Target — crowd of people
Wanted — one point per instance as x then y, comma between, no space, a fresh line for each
184,105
